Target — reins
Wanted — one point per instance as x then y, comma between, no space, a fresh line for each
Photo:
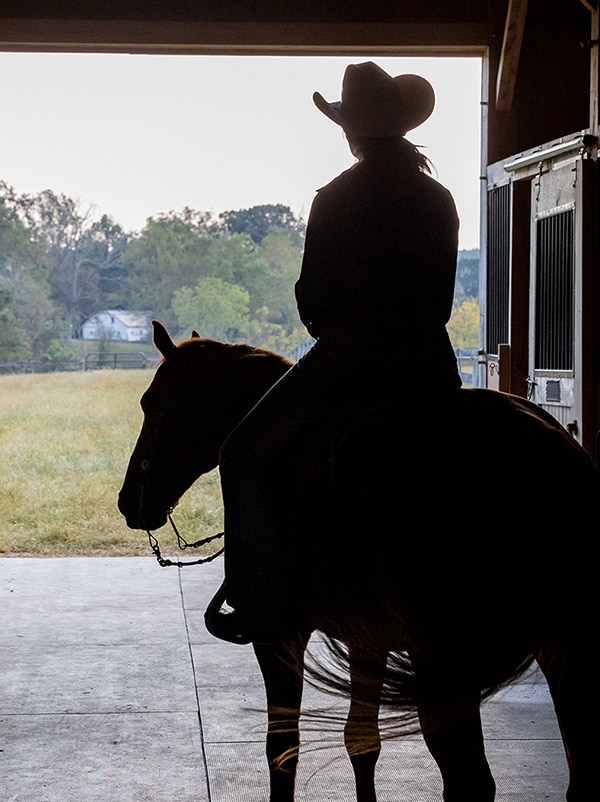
183,544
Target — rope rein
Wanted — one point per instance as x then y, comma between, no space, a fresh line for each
183,545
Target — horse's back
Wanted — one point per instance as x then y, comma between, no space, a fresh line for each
475,441
486,468
473,504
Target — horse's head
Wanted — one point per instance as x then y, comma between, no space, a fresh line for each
201,390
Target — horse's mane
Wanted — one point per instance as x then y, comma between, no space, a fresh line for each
248,359
238,349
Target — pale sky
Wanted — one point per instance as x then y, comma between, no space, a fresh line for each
135,136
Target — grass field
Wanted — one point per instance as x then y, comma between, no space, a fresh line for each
65,441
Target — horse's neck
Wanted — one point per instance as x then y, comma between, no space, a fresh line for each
254,375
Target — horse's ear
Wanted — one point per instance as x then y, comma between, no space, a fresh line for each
195,335
162,340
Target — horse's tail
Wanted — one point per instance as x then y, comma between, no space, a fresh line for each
329,668
404,687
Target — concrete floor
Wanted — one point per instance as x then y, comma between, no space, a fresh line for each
111,690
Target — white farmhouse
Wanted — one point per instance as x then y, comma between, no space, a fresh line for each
125,325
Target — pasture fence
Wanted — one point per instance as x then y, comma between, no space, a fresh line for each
127,360
92,361
468,362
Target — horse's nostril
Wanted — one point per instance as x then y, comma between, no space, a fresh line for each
145,465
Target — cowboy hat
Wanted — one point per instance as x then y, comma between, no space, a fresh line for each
376,104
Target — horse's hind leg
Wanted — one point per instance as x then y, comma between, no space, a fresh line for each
451,727
281,668
571,665
361,733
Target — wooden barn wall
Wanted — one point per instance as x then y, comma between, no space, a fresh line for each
552,88
232,11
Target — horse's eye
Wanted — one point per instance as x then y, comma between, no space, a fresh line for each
145,466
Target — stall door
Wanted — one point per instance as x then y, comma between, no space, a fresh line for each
556,303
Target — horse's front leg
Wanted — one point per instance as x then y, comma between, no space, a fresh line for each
361,733
281,666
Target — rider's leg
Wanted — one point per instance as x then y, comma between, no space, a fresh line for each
252,466
332,376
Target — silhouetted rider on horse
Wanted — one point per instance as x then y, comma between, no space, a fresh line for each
378,273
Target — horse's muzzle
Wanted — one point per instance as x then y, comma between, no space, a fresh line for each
138,513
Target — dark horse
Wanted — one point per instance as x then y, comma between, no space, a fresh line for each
432,607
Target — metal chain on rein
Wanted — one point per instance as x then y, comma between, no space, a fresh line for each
183,544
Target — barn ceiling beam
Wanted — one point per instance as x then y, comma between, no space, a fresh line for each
511,51
240,38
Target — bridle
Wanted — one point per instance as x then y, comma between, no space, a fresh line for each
144,468
183,544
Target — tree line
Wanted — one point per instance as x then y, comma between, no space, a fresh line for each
230,276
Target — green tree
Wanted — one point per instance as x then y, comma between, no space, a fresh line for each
257,221
174,252
281,250
267,272
236,259
467,275
13,347
168,254
463,326
203,224
103,245
215,308
24,280
58,223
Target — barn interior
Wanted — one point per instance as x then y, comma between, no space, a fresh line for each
539,338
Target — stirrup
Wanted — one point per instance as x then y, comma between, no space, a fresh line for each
221,624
